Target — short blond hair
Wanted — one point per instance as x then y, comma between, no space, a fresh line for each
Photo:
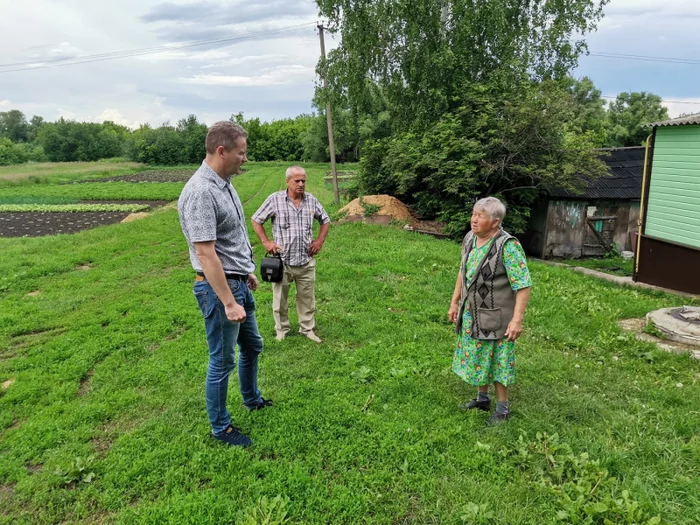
224,133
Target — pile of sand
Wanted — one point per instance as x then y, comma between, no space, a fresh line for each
135,216
390,206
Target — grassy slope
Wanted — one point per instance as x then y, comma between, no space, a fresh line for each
111,361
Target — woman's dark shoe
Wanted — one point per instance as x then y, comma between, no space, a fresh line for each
498,418
474,403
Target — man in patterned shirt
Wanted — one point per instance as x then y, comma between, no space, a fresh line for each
211,216
293,211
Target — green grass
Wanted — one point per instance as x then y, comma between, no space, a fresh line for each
611,265
55,172
105,422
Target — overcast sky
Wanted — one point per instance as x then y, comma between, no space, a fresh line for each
268,73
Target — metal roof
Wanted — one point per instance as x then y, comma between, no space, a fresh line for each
682,121
626,167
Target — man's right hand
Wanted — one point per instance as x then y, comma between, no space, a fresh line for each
235,313
271,247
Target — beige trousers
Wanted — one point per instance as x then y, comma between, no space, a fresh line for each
305,279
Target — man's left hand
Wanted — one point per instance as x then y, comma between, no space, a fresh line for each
315,247
252,281
515,328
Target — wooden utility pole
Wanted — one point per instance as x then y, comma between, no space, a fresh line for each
329,121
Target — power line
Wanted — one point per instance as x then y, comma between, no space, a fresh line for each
144,51
662,100
623,56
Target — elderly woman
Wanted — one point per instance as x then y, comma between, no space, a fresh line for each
488,306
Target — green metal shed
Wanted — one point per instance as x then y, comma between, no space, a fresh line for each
668,253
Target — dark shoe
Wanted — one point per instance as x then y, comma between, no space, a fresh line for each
233,438
481,405
263,403
498,418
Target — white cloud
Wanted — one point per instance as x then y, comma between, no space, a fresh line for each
652,8
113,115
675,109
4,103
267,77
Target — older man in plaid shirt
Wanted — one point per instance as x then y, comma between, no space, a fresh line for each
292,212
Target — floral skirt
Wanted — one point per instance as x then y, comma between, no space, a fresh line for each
479,362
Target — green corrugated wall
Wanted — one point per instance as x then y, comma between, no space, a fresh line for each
673,212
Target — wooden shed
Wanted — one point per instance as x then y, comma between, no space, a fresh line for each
587,221
668,254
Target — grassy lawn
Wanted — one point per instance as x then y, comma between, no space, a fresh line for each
611,265
66,171
103,359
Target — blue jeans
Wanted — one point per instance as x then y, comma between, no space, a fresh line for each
222,336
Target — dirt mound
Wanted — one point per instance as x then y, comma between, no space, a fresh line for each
135,216
389,206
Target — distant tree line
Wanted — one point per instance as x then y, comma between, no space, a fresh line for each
304,138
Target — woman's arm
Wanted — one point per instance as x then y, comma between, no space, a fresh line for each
515,327
456,296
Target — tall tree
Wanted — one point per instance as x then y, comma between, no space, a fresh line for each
13,125
424,54
476,91
630,116
587,110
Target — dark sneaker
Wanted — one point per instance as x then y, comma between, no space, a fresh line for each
233,437
481,405
263,403
498,418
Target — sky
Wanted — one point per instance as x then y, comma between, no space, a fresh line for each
268,71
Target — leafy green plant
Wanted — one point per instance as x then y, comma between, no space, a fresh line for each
268,511
650,328
80,471
475,514
585,492
369,210
363,375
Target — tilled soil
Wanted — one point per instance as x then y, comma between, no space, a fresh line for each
146,176
35,224
181,175
38,224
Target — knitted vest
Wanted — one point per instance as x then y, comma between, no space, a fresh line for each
489,297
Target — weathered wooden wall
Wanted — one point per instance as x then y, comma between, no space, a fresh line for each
567,233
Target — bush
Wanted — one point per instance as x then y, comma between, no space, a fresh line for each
12,153
70,141
512,150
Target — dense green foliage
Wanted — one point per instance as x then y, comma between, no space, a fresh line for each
512,150
19,152
68,141
478,100
629,117
102,416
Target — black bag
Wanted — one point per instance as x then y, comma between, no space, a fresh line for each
272,268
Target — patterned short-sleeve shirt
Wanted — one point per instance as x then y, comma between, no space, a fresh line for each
210,210
292,227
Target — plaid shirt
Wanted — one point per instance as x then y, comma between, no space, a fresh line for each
292,226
